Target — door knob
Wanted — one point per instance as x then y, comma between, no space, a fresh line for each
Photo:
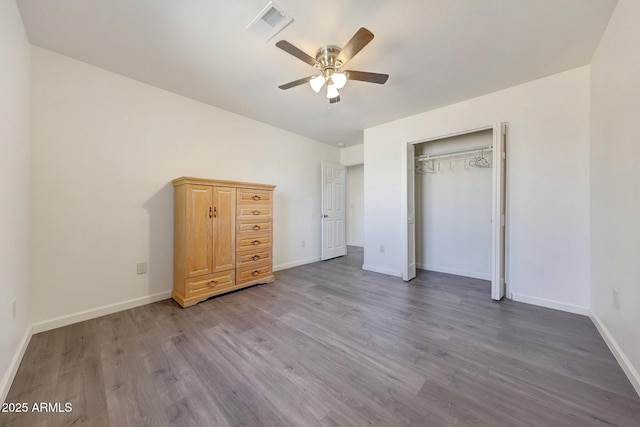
325,216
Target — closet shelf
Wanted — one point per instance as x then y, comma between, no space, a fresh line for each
466,151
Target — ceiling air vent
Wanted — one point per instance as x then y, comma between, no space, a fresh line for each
269,21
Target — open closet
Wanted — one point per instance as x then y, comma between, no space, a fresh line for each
453,189
454,192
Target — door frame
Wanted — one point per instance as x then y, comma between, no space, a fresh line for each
409,212
498,216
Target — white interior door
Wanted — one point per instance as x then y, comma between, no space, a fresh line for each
333,210
498,212
410,216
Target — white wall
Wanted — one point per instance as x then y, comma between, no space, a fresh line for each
615,186
104,151
353,155
453,209
547,188
14,192
355,205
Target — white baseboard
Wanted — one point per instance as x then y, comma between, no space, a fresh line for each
474,275
556,305
382,270
92,313
623,360
7,380
295,263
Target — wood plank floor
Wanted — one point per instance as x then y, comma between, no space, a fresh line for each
329,345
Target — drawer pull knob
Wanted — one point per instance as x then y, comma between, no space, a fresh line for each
255,272
256,197
255,257
256,212
213,282
256,242
256,227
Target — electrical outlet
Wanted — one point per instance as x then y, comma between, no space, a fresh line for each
14,312
141,268
304,243
381,249
616,297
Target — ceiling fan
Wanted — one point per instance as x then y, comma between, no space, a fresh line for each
328,60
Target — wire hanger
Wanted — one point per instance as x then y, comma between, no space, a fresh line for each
425,168
479,161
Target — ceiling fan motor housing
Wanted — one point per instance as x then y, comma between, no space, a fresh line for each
326,58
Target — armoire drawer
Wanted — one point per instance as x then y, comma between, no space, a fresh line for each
248,195
253,273
248,258
254,212
211,284
256,242
260,226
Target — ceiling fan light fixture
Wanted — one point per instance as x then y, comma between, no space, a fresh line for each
316,83
328,61
332,91
339,80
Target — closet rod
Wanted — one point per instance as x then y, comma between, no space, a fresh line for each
425,157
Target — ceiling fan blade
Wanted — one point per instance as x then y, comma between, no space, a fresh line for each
291,49
334,100
360,39
364,76
295,83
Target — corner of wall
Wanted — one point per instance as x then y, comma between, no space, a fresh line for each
351,156
613,174
618,353
12,369
15,156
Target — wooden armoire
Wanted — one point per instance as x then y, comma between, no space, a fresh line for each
223,233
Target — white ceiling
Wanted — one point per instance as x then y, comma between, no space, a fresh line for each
436,51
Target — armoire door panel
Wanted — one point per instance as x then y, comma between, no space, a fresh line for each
224,227
199,227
